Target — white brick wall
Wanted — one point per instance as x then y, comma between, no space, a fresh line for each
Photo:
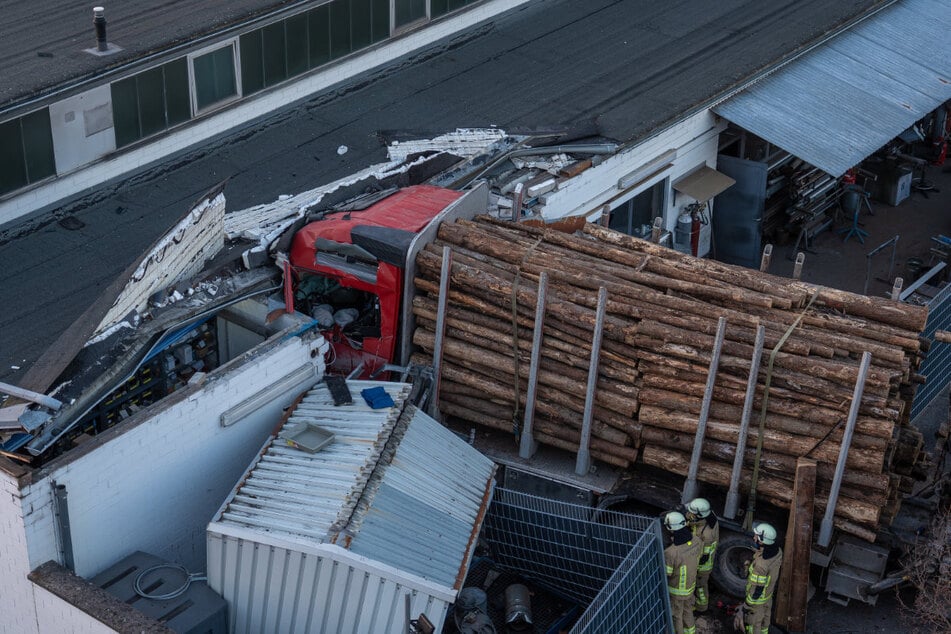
155,486
17,614
55,615
191,135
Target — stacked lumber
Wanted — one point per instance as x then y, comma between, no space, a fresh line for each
662,314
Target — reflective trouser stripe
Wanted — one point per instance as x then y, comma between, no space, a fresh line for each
701,597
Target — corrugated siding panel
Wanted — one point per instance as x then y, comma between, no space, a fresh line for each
277,590
840,103
302,495
429,504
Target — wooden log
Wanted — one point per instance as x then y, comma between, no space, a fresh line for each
859,458
499,338
503,407
776,491
869,432
607,424
490,287
494,415
623,405
783,402
878,309
780,465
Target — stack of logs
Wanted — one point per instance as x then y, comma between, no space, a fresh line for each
658,337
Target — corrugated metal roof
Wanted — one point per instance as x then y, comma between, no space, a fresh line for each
843,101
299,494
401,490
428,503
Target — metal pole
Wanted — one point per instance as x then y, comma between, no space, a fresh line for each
733,495
767,257
797,267
583,463
825,529
527,445
896,289
30,395
444,275
690,486
61,511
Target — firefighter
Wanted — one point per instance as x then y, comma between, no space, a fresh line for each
706,528
680,560
761,583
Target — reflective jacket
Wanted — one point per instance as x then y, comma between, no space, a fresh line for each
709,536
681,566
763,575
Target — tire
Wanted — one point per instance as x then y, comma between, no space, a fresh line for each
729,573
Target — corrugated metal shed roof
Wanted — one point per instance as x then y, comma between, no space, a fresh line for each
840,103
302,495
401,490
426,511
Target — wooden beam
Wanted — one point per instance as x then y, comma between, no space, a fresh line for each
793,591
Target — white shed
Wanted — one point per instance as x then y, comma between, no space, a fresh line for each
334,541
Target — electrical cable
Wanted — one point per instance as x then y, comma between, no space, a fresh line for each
189,577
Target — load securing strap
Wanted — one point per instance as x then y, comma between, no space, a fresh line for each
751,506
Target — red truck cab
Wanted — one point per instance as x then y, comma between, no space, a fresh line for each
349,268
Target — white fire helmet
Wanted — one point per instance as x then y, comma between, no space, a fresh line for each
765,533
674,520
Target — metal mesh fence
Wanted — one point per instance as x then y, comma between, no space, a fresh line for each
635,598
608,560
937,365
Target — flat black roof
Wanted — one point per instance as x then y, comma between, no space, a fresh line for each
622,68
44,41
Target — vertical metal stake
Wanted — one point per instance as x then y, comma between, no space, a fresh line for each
733,495
61,511
517,197
767,257
896,289
527,445
583,463
690,486
797,268
825,529
444,275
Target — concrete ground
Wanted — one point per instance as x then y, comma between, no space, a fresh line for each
839,263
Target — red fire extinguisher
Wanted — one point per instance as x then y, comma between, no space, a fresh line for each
698,216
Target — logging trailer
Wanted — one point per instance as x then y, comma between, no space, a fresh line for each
375,274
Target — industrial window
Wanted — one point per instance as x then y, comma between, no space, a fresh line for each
318,35
636,215
406,12
26,151
150,102
340,40
297,44
214,77
442,7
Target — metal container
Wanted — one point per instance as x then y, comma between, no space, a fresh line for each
683,229
518,608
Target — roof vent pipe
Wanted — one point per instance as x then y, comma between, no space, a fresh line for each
99,21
